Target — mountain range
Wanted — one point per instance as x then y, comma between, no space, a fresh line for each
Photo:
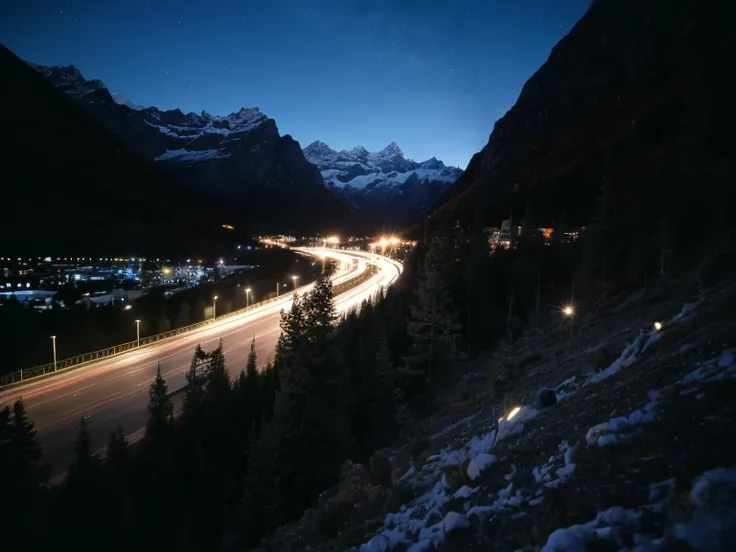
260,177
265,178
383,184
70,187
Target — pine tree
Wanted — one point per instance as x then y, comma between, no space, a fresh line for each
292,341
218,379
310,411
319,314
160,409
26,454
193,393
251,386
432,324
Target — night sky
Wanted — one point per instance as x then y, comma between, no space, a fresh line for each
432,76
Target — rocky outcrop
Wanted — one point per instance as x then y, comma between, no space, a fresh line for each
241,159
384,184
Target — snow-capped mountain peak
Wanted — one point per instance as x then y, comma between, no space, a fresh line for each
391,150
381,182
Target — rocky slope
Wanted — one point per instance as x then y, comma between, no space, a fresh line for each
612,437
81,191
384,184
240,159
638,96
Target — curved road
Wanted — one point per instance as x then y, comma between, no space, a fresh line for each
114,391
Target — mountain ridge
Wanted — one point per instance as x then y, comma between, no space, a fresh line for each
640,75
69,172
241,159
384,184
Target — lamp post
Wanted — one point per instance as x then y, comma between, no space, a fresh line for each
247,297
214,307
53,345
138,332
277,289
295,278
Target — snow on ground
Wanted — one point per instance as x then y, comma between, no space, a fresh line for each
622,428
713,524
424,522
713,494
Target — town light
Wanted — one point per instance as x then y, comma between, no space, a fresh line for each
657,326
568,310
128,307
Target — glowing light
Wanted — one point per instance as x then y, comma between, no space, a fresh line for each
215,297
333,240
394,240
383,242
228,227
568,310
128,307
657,326
247,290
513,412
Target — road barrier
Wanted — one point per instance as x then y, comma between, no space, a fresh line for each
70,363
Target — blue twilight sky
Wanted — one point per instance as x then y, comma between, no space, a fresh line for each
432,76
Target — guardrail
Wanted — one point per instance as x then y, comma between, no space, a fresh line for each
70,363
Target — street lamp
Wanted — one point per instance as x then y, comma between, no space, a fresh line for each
138,332
214,307
295,278
277,289
247,297
128,307
53,345
568,311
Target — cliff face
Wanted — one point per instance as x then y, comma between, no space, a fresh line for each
638,96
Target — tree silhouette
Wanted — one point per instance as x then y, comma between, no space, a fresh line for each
432,325
160,409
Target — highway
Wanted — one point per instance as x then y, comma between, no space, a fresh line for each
114,391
